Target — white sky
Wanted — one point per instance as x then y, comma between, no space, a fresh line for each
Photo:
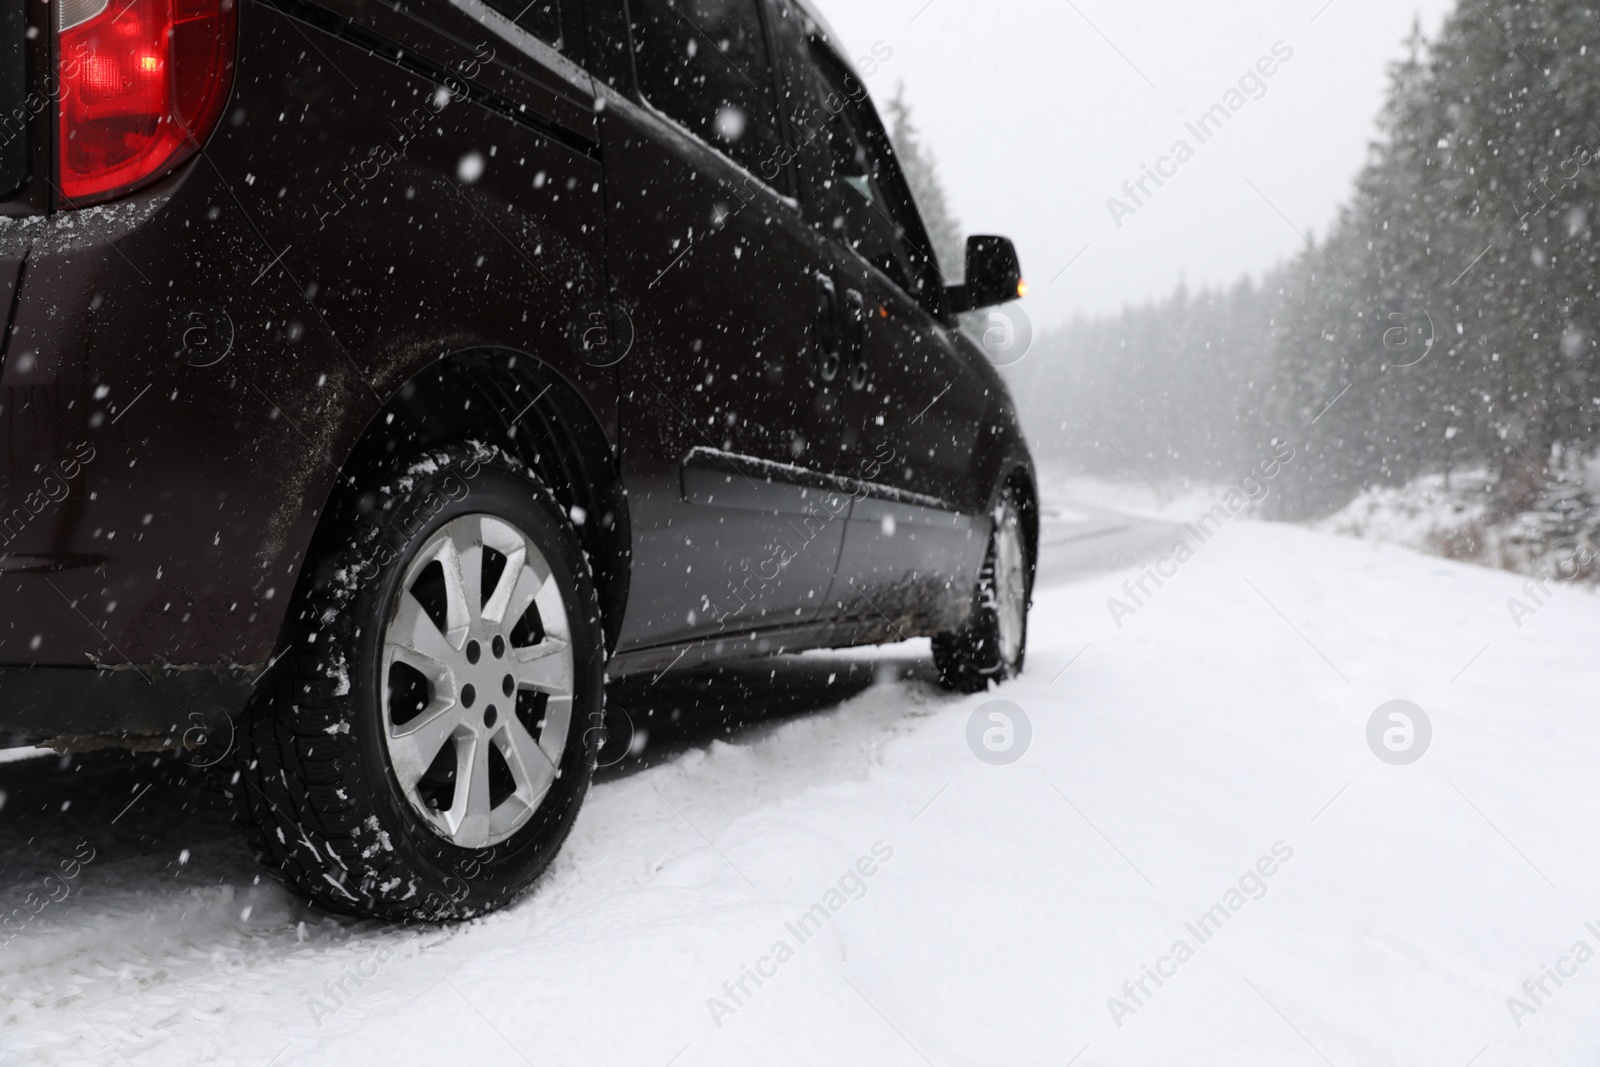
1037,120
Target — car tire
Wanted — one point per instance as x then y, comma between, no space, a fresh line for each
991,644
406,757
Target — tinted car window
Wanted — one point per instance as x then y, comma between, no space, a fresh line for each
861,190
704,63
542,18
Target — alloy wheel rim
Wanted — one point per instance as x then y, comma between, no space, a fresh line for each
477,683
1010,586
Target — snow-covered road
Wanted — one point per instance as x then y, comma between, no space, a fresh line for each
833,876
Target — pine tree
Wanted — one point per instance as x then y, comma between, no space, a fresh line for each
1469,235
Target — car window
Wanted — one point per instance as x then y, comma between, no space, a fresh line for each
542,18
859,195
704,63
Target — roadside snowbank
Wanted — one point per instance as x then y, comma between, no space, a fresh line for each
1557,537
1427,514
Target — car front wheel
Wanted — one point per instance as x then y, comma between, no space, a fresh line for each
990,645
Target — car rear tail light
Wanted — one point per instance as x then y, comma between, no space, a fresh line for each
143,83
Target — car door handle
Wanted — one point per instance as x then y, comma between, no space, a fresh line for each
855,337
826,334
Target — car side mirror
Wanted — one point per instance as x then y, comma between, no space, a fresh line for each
994,276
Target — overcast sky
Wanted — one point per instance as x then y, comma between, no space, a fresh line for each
1040,110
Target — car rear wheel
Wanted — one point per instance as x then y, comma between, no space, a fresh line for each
990,646
422,747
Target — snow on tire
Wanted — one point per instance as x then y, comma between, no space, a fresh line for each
422,746
990,645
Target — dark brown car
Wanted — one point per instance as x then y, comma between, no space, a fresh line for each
381,377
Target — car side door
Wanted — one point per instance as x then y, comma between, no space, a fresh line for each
917,531
712,272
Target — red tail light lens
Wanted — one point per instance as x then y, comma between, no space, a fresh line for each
143,83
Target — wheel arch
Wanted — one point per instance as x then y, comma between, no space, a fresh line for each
524,405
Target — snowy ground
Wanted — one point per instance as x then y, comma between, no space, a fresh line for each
1222,726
